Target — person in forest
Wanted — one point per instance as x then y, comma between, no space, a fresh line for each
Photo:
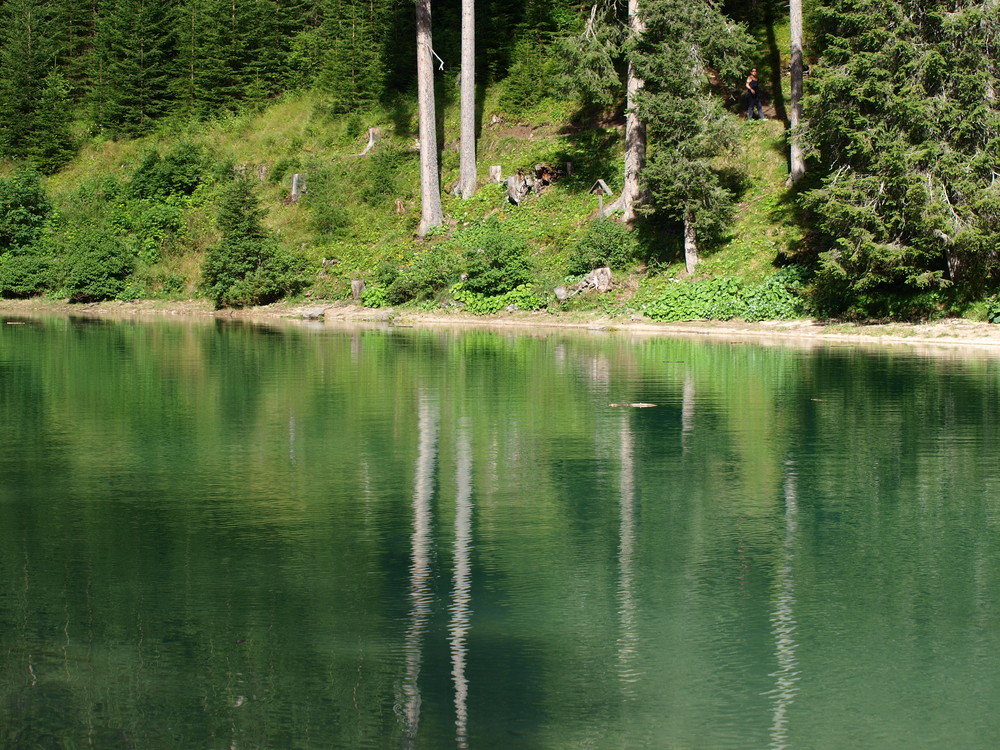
753,96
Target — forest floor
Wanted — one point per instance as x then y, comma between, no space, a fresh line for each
940,336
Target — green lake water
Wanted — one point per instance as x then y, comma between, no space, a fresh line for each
225,536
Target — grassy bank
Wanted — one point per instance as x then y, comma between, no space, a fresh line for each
358,216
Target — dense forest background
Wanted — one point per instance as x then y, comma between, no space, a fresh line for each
148,149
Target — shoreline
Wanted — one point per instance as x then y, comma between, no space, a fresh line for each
948,333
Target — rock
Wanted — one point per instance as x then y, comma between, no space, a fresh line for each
599,279
357,289
562,293
312,313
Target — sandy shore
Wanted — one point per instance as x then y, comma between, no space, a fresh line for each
945,334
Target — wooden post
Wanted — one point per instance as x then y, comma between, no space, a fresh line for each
298,187
600,188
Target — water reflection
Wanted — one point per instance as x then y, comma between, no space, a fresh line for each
420,593
462,584
783,624
628,674
687,411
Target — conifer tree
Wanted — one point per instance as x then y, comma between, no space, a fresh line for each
50,143
467,149
687,124
354,34
905,121
431,214
133,65
28,52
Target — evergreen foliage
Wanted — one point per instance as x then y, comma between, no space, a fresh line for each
97,266
247,267
905,124
688,127
134,63
606,243
28,51
49,145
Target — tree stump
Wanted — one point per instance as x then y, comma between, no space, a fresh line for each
298,187
357,289
518,187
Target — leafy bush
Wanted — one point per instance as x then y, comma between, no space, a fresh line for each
247,267
24,209
375,295
97,266
993,310
522,297
381,180
723,299
149,224
177,173
496,261
606,243
23,274
430,272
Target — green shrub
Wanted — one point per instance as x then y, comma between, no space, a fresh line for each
723,299
382,177
247,267
431,271
24,209
149,224
496,261
177,173
606,243
521,297
375,295
23,274
993,309
97,266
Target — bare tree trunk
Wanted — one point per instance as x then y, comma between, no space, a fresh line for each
467,150
690,243
635,130
431,214
798,164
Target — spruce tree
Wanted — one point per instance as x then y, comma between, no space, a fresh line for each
688,126
354,68
28,50
133,65
905,124
50,144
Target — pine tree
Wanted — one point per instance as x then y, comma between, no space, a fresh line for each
431,214
688,126
50,142
905,122
354,69
28,50
133,65
467,149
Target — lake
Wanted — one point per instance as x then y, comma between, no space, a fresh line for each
221,535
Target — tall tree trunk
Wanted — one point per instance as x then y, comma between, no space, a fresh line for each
467,151
798,164
431,214
635,129
690,243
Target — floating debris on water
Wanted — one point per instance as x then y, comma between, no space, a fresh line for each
635,406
